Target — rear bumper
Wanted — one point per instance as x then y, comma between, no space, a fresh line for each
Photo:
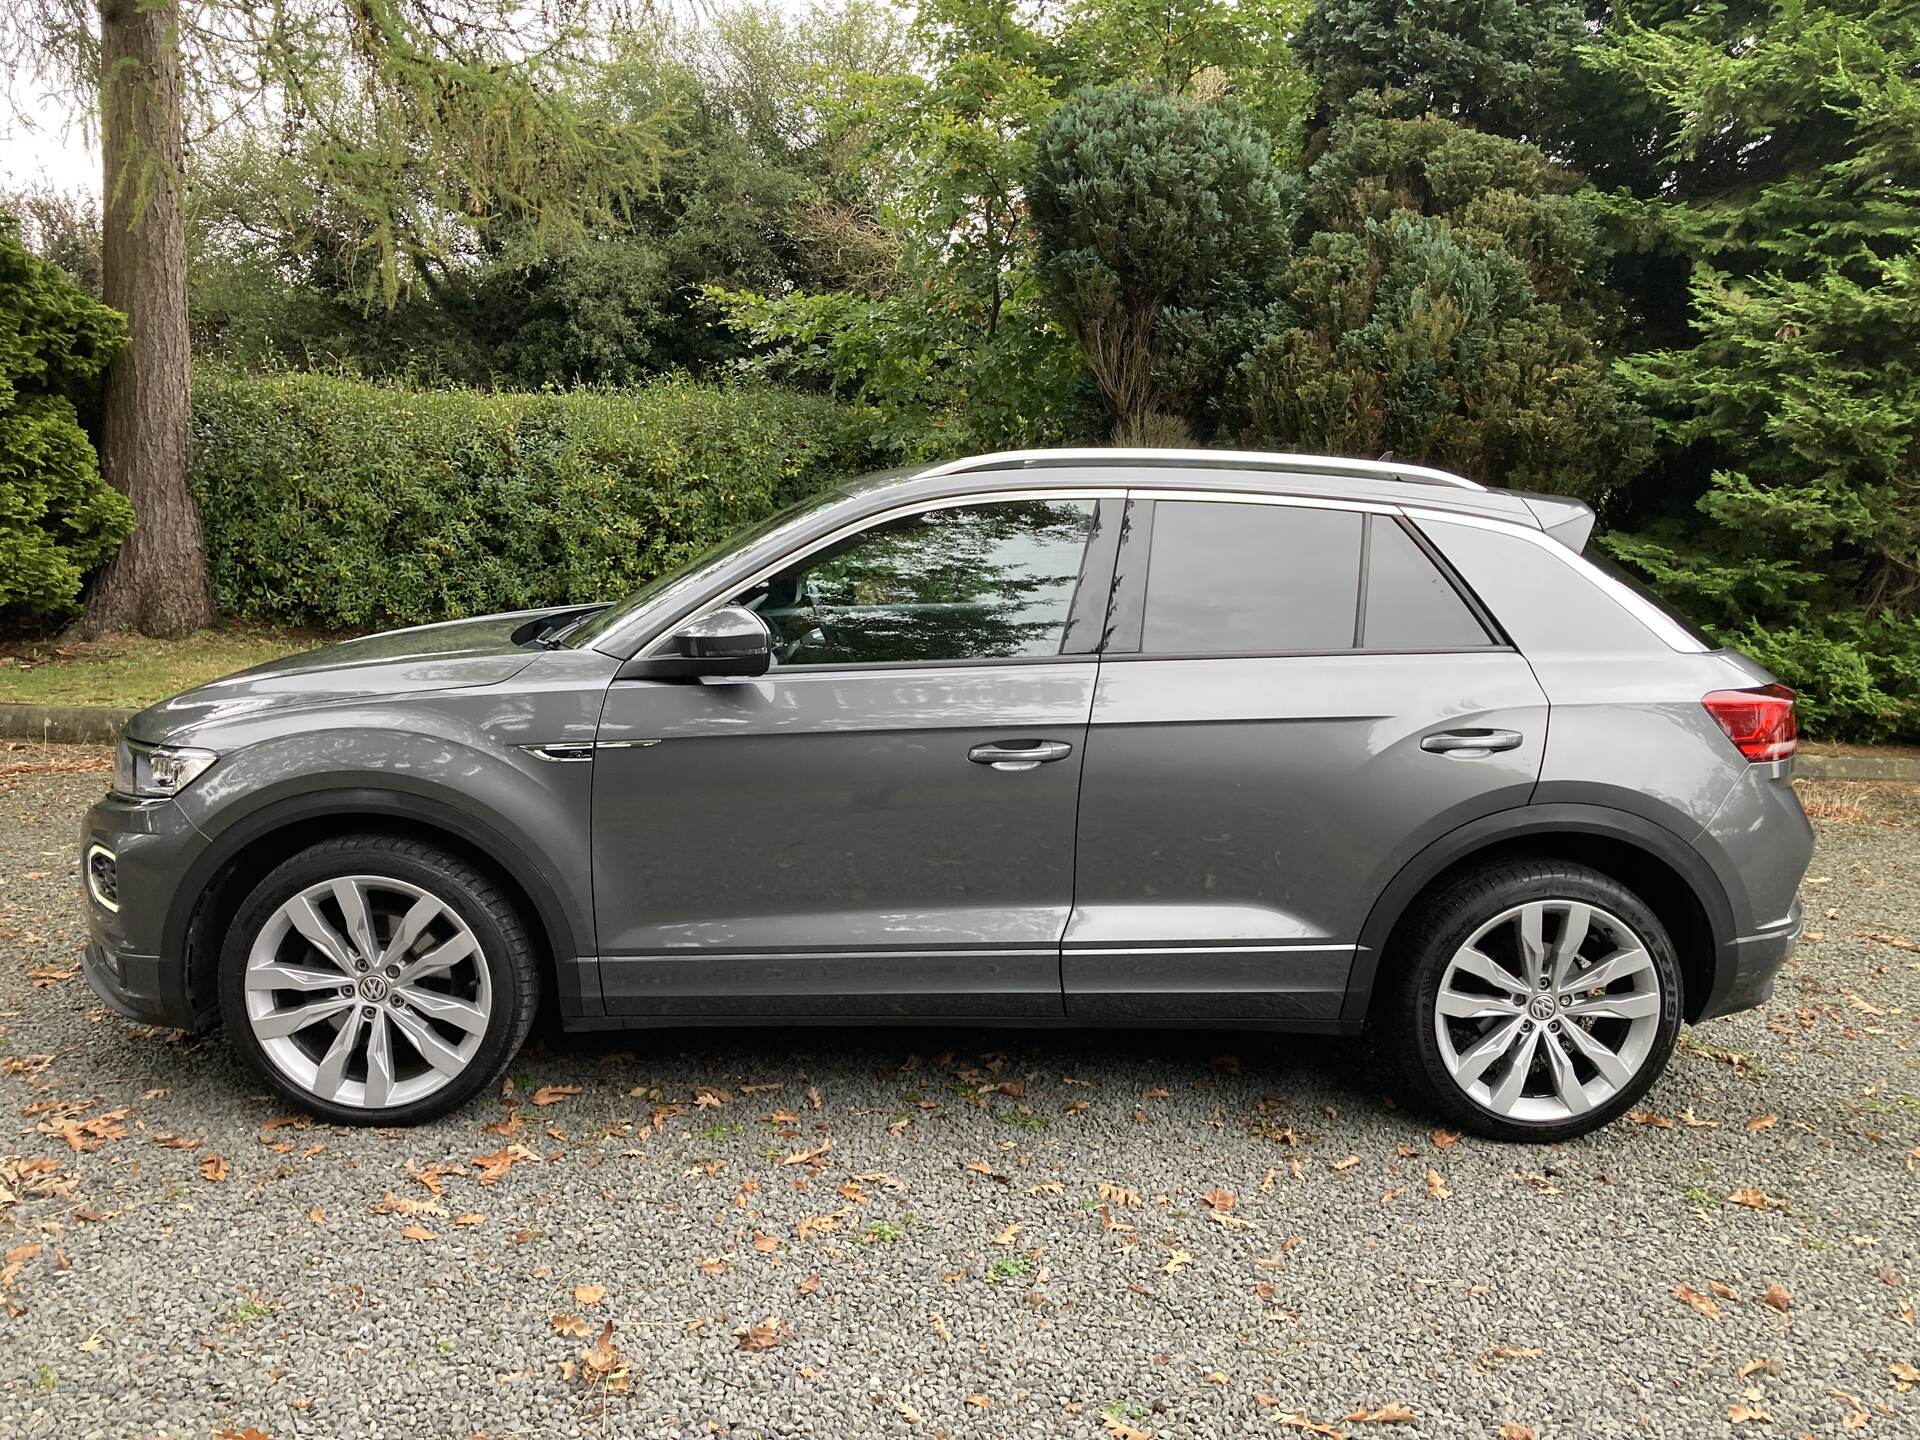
1748,965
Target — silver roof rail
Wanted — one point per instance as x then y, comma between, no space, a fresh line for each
1225,459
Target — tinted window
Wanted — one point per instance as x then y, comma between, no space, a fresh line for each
1410,604
1228,577
974,582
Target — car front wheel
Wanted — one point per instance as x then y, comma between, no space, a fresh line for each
1540,1000
375,980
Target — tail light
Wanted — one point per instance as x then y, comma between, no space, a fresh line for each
1759,722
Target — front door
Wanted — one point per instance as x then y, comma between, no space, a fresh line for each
883,824
1295,699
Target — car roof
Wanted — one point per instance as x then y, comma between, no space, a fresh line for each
1386,482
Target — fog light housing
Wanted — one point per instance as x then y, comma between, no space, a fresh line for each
103,877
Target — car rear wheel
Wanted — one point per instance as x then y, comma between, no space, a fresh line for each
375,980
1540,999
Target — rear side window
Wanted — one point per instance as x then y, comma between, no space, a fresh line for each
1410,604
1229,578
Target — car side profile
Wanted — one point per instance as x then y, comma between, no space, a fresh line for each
1102,737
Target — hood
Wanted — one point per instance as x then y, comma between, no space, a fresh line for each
480,651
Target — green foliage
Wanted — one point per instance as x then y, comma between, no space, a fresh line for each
1146,203
1798,163
1500,65
352,505
1447,304
58,518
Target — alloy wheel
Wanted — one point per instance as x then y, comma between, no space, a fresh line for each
1548,1011
368,991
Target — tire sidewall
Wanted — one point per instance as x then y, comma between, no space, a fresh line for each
494,925
1482,903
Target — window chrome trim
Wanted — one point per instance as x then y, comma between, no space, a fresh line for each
653,647
1256,497
1665,628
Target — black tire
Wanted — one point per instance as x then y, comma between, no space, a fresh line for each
1447,920
506,950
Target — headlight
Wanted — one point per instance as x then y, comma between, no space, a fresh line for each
153,772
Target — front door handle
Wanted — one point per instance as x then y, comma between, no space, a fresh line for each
1019,754
1469,743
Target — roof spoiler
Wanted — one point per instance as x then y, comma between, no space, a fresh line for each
1568,521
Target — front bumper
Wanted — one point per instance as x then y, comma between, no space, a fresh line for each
1748,967
129,961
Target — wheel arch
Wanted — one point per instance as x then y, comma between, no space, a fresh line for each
243,853
1654,862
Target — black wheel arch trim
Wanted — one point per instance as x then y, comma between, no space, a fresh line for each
1505,826
579,992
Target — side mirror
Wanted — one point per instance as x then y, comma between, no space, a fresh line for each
729,641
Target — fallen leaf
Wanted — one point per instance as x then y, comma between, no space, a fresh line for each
1445,1139
1008,1235
1904,1375
317,1215
554,1094
1436,1187
808,1285
978,1401
214,1168
1745,1411
589,1294
1514,1431
418,1233
1724,1291
1175,1261
1346,1164
1763,1122
495,1166
763,1336
1391,1413
1312,1427
1778,1297
572,1325
471,1218
1650,1120
1118,1429
1753,1199
765,1243
1220,1201
1701,1303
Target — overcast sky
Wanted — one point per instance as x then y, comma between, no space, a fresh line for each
52,149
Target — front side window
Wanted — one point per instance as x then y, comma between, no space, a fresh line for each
992,581
1227,578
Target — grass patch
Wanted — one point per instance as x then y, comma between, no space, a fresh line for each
132,671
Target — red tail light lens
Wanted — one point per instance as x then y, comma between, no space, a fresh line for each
1759,722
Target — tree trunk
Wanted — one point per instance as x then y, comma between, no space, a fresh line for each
157,584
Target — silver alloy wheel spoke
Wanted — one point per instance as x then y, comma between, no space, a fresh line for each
1566,947
295,977
329,1017
1531,1026
435,1051
322,936
1498,1041
440,958
353,909
422,913
436,1006
379,1061
333,1065
1486,968
295,1018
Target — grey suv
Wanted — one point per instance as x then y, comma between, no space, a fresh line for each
1088,737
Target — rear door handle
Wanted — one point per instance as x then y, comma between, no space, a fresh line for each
1019,754
1468,743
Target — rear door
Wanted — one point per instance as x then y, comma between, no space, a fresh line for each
1294,698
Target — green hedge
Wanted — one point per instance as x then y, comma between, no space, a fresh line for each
350,505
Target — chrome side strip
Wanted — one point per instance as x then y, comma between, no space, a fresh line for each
563,751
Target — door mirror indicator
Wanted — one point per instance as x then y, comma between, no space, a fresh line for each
729,641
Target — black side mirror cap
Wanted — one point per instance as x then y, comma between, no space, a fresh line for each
730,641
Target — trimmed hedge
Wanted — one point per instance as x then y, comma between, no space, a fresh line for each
352,505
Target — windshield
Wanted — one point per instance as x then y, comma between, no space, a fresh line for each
662,586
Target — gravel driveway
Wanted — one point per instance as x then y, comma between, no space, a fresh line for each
966,1233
